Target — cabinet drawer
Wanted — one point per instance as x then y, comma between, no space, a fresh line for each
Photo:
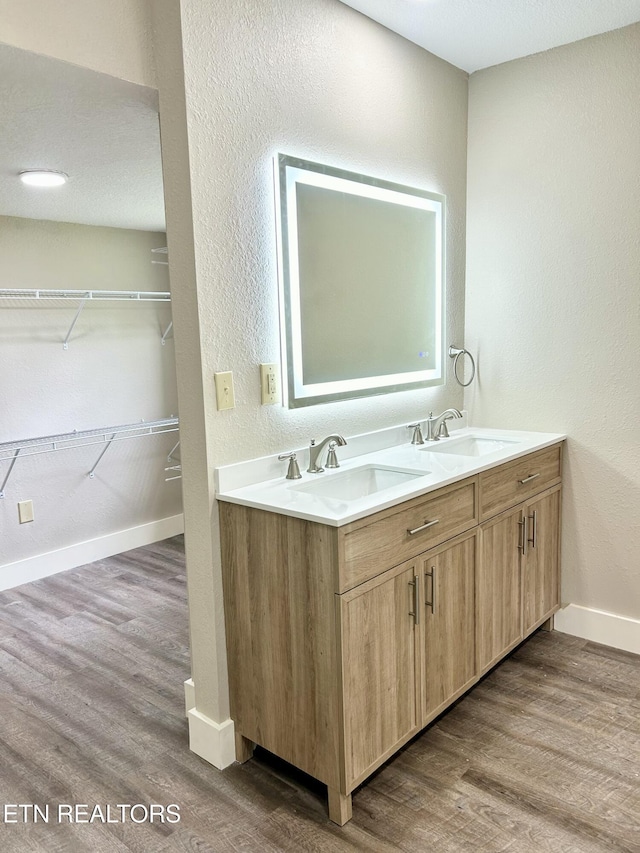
516,481
386,539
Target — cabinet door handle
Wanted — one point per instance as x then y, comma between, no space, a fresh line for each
534,528
528,479
432,575
415,583
423,527
523,546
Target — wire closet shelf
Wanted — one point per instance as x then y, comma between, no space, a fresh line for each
21,293
11,451
28,296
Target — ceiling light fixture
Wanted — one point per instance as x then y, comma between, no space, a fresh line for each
43,178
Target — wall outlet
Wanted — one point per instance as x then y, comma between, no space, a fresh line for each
225,397
25,511
269,384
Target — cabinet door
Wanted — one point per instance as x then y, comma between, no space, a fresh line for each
449,623
498,587
541,565
378,667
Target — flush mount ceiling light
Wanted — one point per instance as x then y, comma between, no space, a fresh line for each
43,178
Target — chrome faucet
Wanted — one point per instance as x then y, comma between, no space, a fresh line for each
316,449
437,427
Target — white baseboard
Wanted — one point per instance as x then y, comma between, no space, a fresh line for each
43,565
215,742
189,696
619,632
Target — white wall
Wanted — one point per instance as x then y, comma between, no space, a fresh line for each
553,302
208,655
112,36
321,81
315,79
114,372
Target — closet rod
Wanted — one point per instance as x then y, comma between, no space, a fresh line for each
95,295
12,450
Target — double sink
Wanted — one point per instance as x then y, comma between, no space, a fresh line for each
377,470
357,483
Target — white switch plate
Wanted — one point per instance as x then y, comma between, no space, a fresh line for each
25,511
225,397
269,384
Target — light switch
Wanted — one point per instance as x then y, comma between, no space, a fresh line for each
269,384
25,511
225,398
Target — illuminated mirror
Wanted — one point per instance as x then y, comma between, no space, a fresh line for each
362,284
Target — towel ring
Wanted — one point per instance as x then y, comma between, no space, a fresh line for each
455,354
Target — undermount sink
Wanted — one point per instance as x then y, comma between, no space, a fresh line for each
358,482
471,445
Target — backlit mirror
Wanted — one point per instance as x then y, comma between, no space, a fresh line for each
361,281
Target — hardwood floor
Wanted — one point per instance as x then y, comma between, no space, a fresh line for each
542,755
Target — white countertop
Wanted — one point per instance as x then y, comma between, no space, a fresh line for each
434,467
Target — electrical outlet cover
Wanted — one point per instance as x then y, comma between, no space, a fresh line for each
269,384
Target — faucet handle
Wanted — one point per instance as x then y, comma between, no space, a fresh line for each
332,459
293,471
416,438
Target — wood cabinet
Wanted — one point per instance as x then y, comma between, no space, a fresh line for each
408,650
517,481
541,560
344,642
379,668
448,640
499,588
519,576
401,532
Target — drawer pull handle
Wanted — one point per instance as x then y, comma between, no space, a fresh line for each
416,599
529,478
533,539
424,526
432,575
523,547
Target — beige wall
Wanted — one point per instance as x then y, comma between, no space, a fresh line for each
111,36
552,303
321,81
114,372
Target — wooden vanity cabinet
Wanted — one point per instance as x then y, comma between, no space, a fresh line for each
499,589
448,632
344,642
541,561
380,668
408,650
518,584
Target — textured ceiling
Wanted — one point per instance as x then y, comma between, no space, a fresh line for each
474,34
103,132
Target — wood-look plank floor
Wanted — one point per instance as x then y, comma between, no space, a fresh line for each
542,755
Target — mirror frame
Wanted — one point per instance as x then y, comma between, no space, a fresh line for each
289,172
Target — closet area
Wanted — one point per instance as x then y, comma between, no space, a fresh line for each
89,429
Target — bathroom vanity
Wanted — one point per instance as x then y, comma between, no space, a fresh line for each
353,620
